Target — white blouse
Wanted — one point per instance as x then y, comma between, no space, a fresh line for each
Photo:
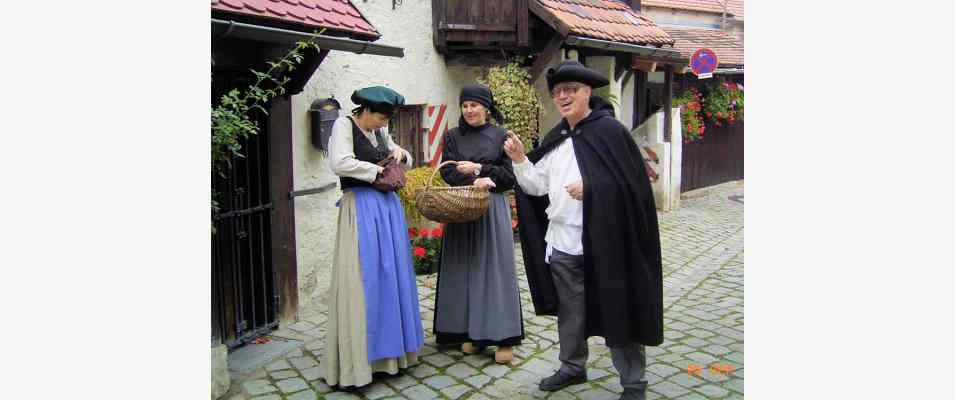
341,152
549,176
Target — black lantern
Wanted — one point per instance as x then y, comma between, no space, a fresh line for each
323,113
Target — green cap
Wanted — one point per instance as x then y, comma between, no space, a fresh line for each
378,96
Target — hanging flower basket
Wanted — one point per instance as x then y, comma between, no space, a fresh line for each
690,103
721,104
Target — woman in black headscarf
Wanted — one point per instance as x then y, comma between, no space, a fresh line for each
477,301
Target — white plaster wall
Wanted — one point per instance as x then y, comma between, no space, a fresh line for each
669,16
676,157
549,115
626,102
606,67
421,76
656,77
666,190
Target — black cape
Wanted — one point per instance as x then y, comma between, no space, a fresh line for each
621,239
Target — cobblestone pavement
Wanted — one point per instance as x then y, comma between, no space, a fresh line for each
701,357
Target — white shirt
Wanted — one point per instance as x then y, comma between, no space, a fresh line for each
341,152
549,176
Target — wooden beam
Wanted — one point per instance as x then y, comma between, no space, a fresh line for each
620,66
503,38
438,19
523,25
551,50
284,263
478,27
644,65
639,97
549,18
475,59
667,102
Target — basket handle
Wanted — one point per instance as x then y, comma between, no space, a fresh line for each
430,181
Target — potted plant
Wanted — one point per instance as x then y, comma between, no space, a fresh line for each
426,248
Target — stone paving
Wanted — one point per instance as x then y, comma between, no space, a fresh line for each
701,357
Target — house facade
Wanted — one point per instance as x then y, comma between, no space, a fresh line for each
716,25
448,44
430,87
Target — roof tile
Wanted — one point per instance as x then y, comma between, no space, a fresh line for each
338,15
606,19
277,8
728,49
733,7
235,4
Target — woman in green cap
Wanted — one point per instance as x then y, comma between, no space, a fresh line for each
373,320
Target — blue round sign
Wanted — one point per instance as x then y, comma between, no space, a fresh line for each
703,62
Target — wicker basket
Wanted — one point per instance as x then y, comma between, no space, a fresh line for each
451,205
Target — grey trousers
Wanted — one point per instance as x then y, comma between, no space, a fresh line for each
630,361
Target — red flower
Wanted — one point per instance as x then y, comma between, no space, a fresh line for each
412,233
709,114
702,129
424,233
419,251
513,223
719,114
437,233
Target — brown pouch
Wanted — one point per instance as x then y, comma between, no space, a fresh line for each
392,178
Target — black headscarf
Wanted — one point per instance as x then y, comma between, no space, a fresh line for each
482,95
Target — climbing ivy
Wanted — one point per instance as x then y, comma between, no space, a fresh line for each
516,99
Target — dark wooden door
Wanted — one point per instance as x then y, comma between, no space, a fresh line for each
244,295
714,159
405,128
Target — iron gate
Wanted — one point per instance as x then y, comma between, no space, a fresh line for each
244,287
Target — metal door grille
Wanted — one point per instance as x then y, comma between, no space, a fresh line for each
244,290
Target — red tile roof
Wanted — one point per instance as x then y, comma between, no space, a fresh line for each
605,19
728,49
733,7
339,15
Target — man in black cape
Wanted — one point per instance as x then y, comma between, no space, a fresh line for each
588,228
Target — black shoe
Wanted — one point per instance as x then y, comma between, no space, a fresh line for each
633,394
559,381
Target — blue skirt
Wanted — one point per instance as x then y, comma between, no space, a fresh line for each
388,277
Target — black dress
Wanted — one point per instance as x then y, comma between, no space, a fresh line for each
477,298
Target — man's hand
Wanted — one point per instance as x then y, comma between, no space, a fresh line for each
467,167
514,148
576,190
484,183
